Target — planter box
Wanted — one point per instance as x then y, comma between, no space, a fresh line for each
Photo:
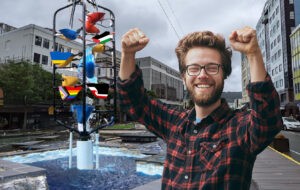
282,145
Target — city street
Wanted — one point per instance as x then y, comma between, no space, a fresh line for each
294,140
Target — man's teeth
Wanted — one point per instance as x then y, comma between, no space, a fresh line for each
202,86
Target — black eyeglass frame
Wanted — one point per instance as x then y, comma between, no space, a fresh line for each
203,67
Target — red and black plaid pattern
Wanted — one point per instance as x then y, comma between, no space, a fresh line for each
217,153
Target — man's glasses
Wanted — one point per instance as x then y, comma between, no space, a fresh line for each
210,69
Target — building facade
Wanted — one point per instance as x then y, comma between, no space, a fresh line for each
273,30
162,79
245,78
295,46
105,70
34,44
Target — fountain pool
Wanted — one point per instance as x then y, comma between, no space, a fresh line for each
117,169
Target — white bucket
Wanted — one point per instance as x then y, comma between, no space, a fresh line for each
85,155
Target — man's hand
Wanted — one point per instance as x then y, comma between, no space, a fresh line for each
244,40
134,40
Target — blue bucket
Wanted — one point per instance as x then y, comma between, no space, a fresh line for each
78,110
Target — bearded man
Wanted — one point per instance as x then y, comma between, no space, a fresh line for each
209,146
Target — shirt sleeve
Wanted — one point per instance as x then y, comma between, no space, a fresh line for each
264,120
157,116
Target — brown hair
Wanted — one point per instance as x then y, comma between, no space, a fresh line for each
204,39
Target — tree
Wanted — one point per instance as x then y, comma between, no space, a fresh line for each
24,82
151,93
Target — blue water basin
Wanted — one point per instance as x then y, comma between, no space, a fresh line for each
117,170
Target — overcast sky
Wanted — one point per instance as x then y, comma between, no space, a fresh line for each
219,16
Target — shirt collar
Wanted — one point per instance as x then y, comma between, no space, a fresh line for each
217,115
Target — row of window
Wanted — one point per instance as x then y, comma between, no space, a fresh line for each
276,55
272,4
295,42
39,41
274,28
45,43
296,62
167,69
37,58
297,88
276,70
273,43
273,15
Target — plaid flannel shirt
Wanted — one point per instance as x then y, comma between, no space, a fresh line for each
217,153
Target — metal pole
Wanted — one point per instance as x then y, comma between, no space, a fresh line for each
70,149
54,49
84,65
114,65
97,151
112,16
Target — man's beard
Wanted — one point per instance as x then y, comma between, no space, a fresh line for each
206,100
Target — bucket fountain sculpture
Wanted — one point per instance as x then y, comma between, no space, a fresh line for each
85,79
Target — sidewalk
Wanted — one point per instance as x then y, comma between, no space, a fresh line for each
272,171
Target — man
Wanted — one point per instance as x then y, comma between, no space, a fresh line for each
210,146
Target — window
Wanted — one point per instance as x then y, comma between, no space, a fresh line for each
46,43
292,15
281,82
278,38
276,70
36,58
272,72
272,45
45,60
277,10
291,1
38,40
277,24
279,53
280,67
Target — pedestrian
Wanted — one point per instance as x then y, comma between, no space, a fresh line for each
209,146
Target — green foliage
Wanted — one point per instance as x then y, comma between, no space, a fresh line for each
190,104
24,82
120,126
151,93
